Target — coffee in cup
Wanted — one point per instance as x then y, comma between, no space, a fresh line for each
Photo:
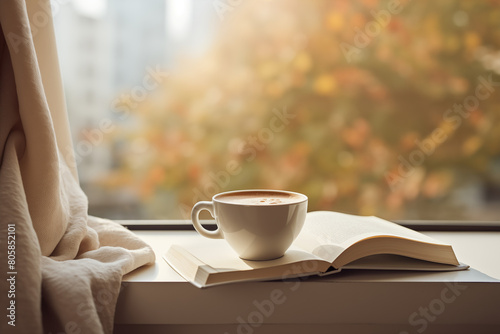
257,224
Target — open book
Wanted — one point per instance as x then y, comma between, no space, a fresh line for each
328,242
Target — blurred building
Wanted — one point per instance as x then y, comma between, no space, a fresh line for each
190,26
105,48
138,29
85,54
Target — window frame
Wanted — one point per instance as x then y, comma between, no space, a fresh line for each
417,225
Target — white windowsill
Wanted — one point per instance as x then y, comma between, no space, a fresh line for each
156,295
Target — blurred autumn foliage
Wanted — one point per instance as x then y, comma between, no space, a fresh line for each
273,103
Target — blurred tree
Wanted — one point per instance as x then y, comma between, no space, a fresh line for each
275,103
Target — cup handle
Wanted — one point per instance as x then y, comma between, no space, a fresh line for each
197,208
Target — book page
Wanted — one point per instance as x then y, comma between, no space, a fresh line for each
396,262
340,231
213,262
221,257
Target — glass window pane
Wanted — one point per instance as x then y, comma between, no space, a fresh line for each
367,107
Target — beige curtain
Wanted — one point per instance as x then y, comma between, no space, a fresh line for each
63,267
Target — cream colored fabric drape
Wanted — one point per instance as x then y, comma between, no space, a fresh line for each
68,266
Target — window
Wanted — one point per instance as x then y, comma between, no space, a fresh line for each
387,108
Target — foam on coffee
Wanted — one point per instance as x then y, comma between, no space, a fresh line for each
260,198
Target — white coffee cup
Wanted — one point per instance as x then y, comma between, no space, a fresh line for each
257,224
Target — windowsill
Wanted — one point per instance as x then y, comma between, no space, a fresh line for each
157,296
